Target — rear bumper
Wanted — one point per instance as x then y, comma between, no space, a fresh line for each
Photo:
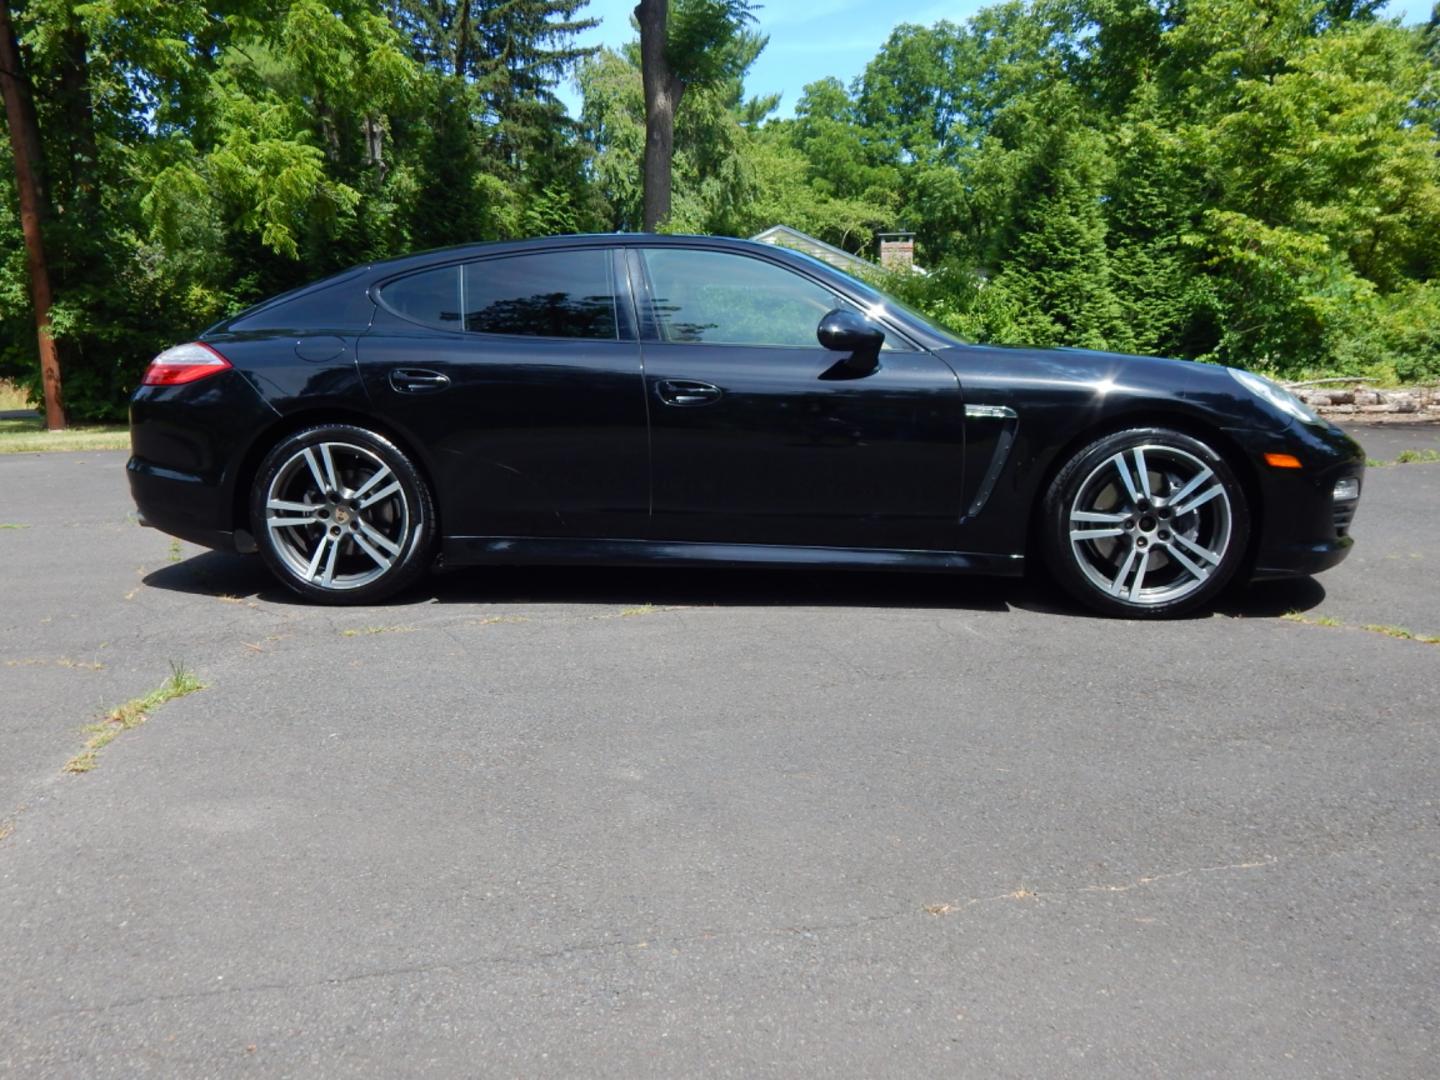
187,448
180,504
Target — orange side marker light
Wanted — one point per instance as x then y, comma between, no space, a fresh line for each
1282,461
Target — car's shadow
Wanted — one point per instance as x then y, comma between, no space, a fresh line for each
219,574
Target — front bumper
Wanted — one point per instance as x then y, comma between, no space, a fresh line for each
1300,528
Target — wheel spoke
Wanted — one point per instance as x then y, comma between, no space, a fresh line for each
1094,534
1195,481
1199,500
383,493
1212,557
290,523
1097,516
1117,586
375,478
315,472
1119,462
293,507
331,476
1143,470
1200,573
381,560
377,537
1139,577
325,541
329,576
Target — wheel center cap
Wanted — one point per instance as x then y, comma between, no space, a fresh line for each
342,515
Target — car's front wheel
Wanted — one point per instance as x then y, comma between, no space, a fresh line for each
341,515
1145,523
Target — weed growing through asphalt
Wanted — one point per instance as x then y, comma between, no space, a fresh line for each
1399,633
1318,620
174,551
1405,457
131,715
12,525
364,631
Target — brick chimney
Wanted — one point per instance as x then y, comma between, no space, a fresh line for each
897,250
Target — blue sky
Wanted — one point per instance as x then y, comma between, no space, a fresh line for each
810,39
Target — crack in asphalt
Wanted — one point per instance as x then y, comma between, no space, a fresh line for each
672,942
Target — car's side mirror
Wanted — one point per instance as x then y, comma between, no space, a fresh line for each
850,332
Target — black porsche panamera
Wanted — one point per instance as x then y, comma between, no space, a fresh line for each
689,400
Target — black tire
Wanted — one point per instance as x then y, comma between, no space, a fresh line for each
1159,546
341,516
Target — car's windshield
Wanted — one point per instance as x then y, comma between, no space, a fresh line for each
873,297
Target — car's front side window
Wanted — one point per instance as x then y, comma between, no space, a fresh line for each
719,298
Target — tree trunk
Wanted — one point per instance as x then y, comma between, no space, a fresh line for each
662,97
34,208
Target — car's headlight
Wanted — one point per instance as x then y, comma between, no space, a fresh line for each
1277,396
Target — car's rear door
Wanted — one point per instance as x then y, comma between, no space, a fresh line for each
519,376
755,435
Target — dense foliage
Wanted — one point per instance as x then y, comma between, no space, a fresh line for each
1252,181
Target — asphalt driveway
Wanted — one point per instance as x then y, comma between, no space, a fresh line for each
625,823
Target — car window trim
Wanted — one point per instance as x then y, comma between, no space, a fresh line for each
377,297
649,325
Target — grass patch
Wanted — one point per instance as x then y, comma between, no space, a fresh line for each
643,609
131,715
174,551
28,436
12,525
365,631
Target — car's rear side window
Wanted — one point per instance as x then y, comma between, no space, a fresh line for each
431,297
561,294
564,294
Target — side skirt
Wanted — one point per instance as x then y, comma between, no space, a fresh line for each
540,551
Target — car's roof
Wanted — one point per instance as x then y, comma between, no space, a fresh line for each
459,252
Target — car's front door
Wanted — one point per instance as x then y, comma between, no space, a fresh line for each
757,437
520,376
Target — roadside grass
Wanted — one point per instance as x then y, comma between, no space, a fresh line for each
27,435
131,715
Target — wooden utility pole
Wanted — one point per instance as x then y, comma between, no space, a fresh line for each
662,96
34,207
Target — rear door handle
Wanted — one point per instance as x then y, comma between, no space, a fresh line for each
418,380
687,392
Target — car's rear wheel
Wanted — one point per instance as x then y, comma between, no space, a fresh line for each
1146,523
341,515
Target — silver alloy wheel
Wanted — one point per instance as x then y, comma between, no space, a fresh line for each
1150,524
337,515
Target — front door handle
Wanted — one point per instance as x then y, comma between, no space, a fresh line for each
418,380
687,392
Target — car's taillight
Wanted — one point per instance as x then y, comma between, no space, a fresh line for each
184,364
